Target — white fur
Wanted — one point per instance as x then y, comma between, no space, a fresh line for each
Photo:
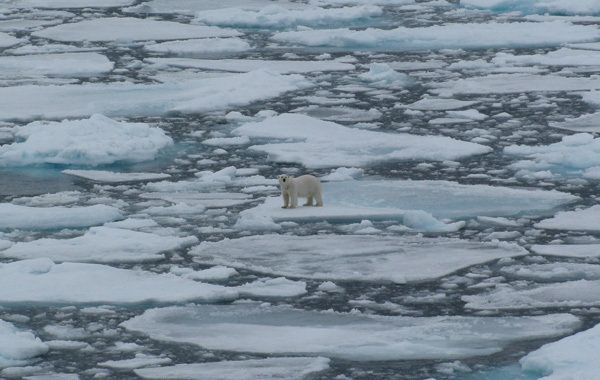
306,186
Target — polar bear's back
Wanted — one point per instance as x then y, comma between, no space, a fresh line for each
307,185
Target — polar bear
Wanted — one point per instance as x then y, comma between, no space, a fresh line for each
304,186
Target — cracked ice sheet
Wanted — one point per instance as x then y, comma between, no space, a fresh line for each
580,220
513,83
101,245
54,65
7,40
18,346
490,35
581,293
586,123
276,16
246,65
351,257
41,281
23,217
94,141
130,29
391,199
327,144
127,99
294,368
250,327
573,357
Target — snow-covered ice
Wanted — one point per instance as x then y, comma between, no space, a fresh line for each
553,271
440,104
127,99
586,123
327,144
560,57
291,368
18,346
54,65
582,220
69,3
382,75
567,250
351,257
128,29
101,245
193,7
200,47
41,281
94,141
24,217
489,35
537,6
249,328
115,177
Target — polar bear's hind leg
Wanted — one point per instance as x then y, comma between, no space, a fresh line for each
309,200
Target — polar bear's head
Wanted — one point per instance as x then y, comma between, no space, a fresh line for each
284,181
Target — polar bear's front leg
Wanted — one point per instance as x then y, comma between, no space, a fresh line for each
286,199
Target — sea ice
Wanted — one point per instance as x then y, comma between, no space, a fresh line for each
581,220
250,328
127,99
293,368
101,245
326,144
41,281
18,346
95,141
208,200
440,104
568,250
579,7
246,65
553,271
140,361
193,7
276,16
115,177
490,35
69,3
54,65
199,47
23,217
586,123
382,75
579,293
272,288
351,257
7,40
573,357
560,57
132,29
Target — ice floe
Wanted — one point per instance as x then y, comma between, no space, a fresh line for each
581,220
250,328
199,47
567,250
246,65
101,245
115,177
577,154
553,271
18,346
560,57
41,281
382,75
208,200
193,7
573,357
139,361
491,34
562,294
69,3
292,368
131,29
54,65
94,141
7,40
586,123
583,7
327,144
276,16
126,99
440,104
351,257
23,217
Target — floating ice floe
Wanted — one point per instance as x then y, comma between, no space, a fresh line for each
491,34
560,57
553,271
41,281
272,288
440,104
579,293
193,7
54,65
276,16
581,220
18,346
573,357
340,113
7,40
69,3
416,203
325,144
578,7
250,328
127,99
382,75
291,368
586,123
115,177
95,141
246,65
568,250
512,83
140,361
101,245
23,217
131,29
204,46
351,257
208,200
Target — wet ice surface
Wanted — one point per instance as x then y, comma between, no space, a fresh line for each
458,148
